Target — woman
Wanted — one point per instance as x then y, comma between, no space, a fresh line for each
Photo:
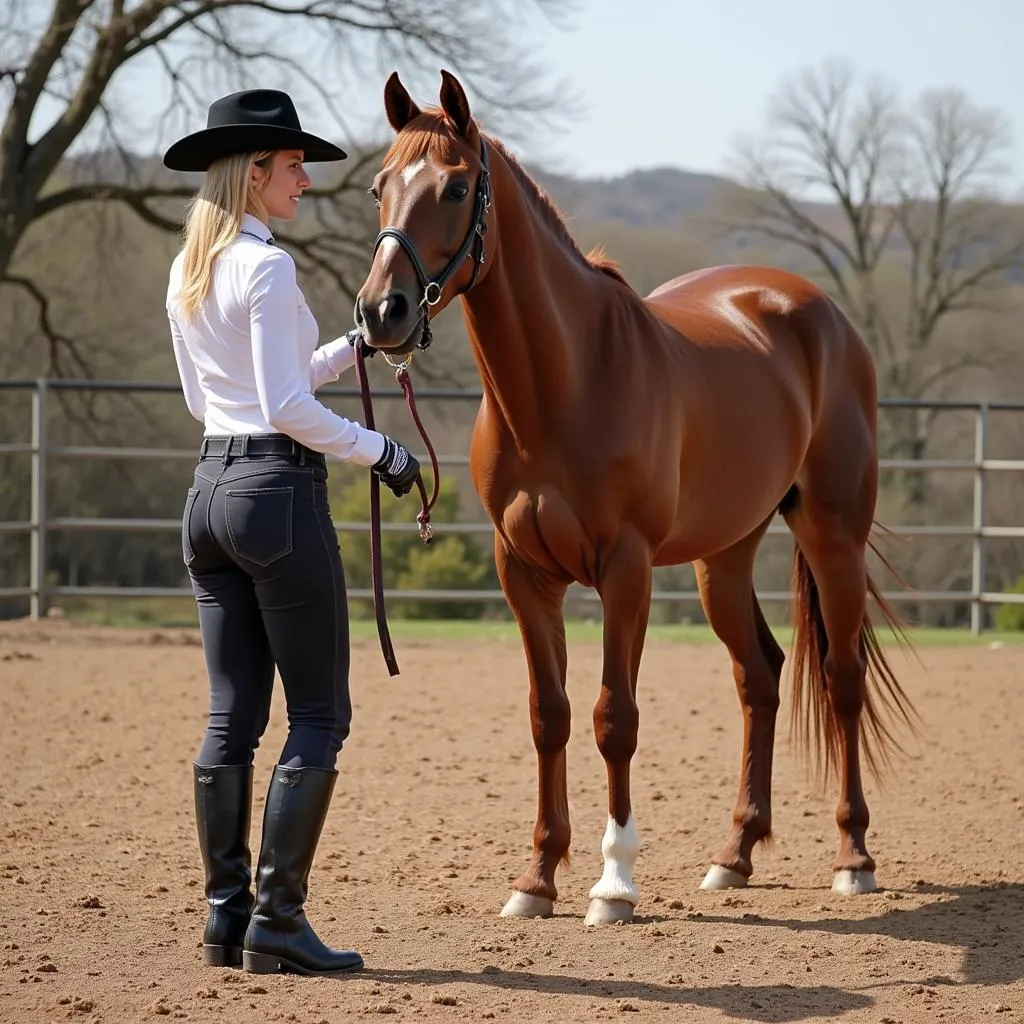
257,536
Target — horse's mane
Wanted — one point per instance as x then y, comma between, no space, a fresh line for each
431,134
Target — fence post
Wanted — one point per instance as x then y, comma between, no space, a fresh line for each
38,515
979,520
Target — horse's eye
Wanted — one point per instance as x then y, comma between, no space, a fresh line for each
457,191
372,193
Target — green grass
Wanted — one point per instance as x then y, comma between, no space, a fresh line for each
586,632
180,612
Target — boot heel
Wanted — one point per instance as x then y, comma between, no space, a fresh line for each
260,963
222,956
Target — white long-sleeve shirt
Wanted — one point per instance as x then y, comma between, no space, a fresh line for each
249,361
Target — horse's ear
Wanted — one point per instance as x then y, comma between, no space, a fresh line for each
398,104
454,102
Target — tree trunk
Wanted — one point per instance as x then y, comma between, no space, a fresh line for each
14,219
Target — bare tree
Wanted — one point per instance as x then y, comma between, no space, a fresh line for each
896,210
66,84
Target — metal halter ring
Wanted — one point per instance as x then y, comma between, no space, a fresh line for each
432,294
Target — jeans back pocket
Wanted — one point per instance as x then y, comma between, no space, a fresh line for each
187,551
259,522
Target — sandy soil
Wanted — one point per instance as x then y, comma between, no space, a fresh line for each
101,888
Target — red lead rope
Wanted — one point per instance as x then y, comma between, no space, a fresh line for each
423,517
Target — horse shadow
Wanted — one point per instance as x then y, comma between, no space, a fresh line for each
744,1002
985,921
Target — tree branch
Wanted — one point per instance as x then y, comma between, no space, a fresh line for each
58,343
965,361
134,196
906,186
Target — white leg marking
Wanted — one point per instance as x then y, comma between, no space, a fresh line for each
620,847
615,894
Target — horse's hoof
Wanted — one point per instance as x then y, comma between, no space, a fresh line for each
853,883
723,878
523,904
609,912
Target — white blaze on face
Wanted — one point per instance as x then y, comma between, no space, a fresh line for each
387,246
620,847
385,251
410,172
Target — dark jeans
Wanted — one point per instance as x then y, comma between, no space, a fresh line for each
267,574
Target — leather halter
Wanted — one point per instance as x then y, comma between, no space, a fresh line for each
472,245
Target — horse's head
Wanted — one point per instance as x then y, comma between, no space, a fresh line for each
434,193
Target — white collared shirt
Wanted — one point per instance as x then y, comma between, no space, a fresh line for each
249,362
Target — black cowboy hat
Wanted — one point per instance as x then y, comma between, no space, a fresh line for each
246,122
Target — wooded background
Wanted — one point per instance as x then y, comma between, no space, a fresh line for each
901,207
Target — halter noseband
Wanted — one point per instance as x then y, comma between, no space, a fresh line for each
473,244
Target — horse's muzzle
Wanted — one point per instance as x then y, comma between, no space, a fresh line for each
389,324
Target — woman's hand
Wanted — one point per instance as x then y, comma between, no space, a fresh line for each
358,342
397,467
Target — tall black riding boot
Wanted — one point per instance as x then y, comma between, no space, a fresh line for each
279,936
223,802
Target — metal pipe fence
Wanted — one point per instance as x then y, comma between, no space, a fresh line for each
40,524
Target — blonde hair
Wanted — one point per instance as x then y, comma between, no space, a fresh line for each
214,218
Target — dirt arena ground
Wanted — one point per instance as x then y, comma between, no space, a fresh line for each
102,906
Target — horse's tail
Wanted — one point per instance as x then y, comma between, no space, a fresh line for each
813,722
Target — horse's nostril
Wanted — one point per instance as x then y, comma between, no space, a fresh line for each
360,314
397,308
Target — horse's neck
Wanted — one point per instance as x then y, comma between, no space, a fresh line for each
530,317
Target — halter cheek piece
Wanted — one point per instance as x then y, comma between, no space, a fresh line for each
473,246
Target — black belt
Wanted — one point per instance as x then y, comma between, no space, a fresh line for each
240,446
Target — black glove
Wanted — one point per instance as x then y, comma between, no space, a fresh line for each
397,467
359,343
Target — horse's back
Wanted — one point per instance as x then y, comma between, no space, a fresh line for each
765,321
774,370
740,296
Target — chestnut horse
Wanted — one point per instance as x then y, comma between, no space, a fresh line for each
619,432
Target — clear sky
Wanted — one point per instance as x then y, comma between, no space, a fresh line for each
674,82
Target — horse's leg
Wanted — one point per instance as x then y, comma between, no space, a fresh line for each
831,521
727,593
625,590
837,565
536,602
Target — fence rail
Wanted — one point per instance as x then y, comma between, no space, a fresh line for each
40,524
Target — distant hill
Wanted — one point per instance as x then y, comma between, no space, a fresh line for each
652,197
656,198
651,207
